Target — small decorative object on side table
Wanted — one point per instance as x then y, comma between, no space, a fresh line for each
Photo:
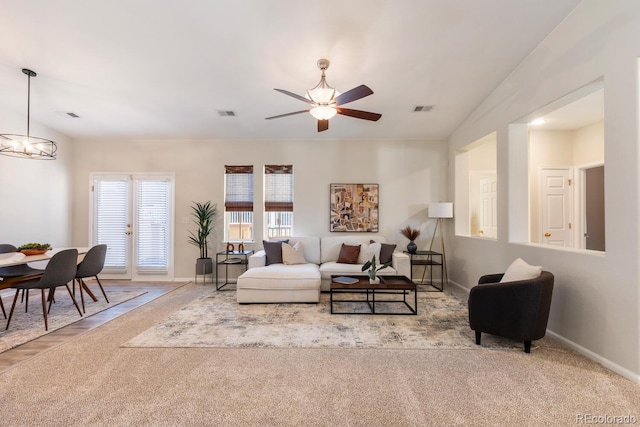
412,235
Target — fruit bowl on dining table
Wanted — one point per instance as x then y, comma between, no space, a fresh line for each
34,248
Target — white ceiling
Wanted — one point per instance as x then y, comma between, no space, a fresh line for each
161,69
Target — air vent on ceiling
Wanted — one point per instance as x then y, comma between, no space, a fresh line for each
423,108
74,115
227,113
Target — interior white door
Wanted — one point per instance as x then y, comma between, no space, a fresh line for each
488,207
556,206
133,216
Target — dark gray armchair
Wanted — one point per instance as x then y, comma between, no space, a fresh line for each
518,310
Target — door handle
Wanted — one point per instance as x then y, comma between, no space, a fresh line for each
547,234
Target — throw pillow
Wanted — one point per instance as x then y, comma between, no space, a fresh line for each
349,254
369,251
520,270
273,251
386,252
293,254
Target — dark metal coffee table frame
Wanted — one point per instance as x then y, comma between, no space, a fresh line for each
388,285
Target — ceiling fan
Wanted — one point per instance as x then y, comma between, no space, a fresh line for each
326,102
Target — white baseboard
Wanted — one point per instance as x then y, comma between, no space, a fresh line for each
632,376
462,292
457,289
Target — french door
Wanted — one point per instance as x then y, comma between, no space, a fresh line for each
133,215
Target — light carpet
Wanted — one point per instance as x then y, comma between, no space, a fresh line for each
217,320
25,327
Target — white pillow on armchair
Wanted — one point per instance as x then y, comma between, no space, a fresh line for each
520,270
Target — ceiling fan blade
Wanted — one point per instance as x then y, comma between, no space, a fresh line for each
353,95
323,125
366,115
301,98
287,114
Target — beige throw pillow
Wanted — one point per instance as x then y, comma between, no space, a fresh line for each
520,270
293,254
368,251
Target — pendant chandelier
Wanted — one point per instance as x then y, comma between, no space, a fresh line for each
27,146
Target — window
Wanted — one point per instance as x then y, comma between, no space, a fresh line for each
476,188
152,216
278,200
559,153
238,203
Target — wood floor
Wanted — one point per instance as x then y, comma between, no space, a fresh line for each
17,355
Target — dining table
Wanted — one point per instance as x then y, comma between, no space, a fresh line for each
18,258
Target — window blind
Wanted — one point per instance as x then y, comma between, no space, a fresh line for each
152,248
111,213
238,195
278,188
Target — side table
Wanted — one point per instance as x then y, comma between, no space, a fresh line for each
230,258
429,260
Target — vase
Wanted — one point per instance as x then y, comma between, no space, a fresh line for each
412,247
374,281
204,266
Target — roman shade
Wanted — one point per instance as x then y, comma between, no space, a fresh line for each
238,189
278,188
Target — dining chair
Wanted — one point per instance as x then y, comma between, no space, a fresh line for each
16,270
91,266
60,270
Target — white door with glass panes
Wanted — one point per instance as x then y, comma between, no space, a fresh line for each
133,215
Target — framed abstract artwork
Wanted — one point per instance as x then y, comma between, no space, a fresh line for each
354,207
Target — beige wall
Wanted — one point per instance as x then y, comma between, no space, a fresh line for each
588,144
410,174
35,195
596,300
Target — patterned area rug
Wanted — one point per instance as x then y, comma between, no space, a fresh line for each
28,326
217,320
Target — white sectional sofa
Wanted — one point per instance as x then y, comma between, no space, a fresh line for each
279,282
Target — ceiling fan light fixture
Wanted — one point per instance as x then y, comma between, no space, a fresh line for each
323,112
27,146
325,102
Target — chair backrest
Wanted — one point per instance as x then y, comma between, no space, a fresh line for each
60,270
93,262
6,248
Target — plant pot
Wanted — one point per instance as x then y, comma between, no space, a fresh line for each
204,266
412,247
374,281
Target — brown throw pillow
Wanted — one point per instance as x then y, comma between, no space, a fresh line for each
386,252
349,254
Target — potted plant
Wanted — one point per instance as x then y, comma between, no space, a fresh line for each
373,269
412,235
204,215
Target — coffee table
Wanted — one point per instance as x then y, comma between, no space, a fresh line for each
389,285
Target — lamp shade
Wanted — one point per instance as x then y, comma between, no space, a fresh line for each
440,210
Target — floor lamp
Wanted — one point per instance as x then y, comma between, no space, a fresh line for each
440,211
